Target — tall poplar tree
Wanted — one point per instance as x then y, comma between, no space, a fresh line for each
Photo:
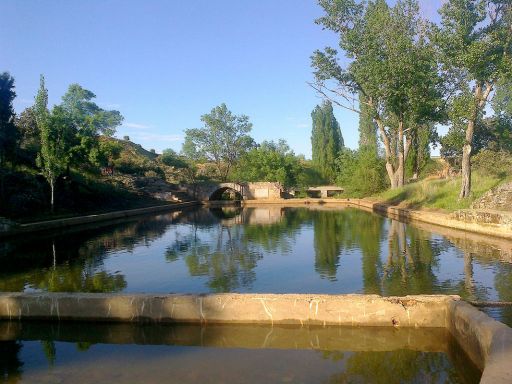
52,158
390,62
326,140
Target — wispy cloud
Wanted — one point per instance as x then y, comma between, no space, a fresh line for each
302,125
155,137
136,126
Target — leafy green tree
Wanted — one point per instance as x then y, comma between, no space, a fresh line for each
170,158
361,173
391,65
326,140
106,152
223,139
475,42
53,127
87,121
270,161
8,131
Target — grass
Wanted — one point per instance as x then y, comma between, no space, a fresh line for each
441,194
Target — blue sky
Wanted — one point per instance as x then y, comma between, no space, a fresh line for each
163,64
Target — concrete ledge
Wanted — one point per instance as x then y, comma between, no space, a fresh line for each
347,310
82,220
487,342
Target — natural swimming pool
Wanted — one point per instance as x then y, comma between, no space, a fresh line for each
271,249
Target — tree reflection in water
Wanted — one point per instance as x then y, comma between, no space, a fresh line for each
408,366
226,245
10,363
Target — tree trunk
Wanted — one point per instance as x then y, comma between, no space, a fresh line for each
396,175
480,98
465,189
52,190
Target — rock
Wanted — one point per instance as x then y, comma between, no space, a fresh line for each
499,198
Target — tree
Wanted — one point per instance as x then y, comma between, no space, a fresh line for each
8,132
475,41
223,139
270,161
326,140
53,156
367,127
87,121
28,131
391,64
421,138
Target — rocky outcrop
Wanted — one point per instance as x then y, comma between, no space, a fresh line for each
499,198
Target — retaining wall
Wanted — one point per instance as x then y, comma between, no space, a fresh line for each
487,342
83,220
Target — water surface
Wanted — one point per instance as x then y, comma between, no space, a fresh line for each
270,249
123,353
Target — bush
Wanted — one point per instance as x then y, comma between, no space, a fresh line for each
493,163
361,173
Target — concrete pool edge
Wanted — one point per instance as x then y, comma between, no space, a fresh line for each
487,342
57,224
403,214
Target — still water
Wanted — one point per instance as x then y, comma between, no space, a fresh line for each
265,249
123,353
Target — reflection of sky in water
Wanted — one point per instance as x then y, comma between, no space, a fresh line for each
296,250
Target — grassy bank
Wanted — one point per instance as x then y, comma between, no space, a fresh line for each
442,194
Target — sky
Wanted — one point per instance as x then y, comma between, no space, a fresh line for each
164,63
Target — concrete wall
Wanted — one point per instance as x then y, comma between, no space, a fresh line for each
487,342
88,219
351,310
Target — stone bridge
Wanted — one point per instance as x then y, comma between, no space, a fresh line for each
244,191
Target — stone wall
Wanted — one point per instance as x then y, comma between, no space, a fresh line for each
499,198
264,191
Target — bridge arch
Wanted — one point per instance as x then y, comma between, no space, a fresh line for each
226,193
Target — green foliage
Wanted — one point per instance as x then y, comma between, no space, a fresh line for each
326,140
87,122
475,46
367,127
223,139
493,163
269,161
361,173
419,154
170,158
29,136
391,65
490,133
53,129
106,152
8,131
440,193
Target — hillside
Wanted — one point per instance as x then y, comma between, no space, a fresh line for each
139,180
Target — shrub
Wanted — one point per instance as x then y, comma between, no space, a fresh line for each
361,173
493,163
